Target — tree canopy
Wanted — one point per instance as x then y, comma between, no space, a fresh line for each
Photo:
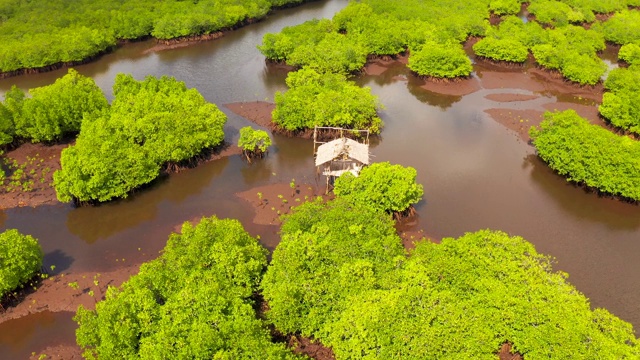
36,34
20,260
382,186
316,99
589,154
52,111
194,302
151,123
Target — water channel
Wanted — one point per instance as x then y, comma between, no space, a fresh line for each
476,173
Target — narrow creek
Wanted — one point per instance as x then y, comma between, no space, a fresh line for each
476,173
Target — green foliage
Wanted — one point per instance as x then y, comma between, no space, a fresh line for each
510,40
382,186
383,28
56,110
329,253
621,104
630,53
501,49
315,99
440,61
465,297
559,13
622,28
588,154
505,7
254,140
193,302
20,260
279,46
150,123
572,51
35,34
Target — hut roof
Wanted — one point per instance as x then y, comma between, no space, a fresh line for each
343,146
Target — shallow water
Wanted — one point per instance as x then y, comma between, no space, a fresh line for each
476,173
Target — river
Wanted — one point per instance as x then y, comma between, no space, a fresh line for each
476,174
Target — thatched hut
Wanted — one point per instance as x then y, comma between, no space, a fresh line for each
338,156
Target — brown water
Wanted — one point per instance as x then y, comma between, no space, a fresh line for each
475,172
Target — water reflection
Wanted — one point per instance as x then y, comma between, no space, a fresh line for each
32,333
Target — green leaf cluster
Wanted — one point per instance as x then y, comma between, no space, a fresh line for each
465,297
329,253
383,28
440,61
622,28
572,51
36,34
630,53
254,140
52,111
20,260
316,99
510,40
193,302
149,124
621,103
505,7
559,13
382,186
589,154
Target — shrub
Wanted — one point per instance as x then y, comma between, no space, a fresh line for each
336,53
501,49
630,53
621,104
328,254
253,142
193,302
588,154
465,297
440,61
20,260
382,186
504,7
622,28
58,109
151,124
315,99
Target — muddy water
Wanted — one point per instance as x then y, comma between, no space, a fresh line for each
476,173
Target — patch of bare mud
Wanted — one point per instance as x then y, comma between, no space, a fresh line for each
258,112
452,88
510,97
518,121
272,201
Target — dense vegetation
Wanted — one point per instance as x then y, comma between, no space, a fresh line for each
433,31
194,302
151,124
329,252
20,260
588,154
622,28
339,275
52,111
35,34
463,298
384,28
316,99
382,186
621,103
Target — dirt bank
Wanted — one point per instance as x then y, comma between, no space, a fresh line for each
66,291
40,163
272,201
257,111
